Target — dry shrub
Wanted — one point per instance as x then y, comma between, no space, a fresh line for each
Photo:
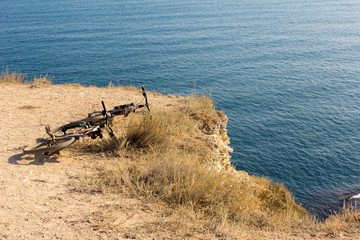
19,78
152,131
276,197
111,85
222,195
13,77
202,109
347,220
159,130
124,87
180,179
42,81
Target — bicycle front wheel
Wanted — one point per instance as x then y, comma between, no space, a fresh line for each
48,146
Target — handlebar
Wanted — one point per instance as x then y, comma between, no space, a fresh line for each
145,96
103,112
126,108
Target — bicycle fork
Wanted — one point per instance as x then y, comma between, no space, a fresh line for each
48,132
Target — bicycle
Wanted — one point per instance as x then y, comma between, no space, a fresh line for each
91,126
101,116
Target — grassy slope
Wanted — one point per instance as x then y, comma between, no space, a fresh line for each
162,156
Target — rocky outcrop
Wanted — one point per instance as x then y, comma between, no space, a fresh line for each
216,137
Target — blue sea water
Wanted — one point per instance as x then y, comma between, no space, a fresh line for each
286,72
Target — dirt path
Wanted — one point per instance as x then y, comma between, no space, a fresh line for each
36,201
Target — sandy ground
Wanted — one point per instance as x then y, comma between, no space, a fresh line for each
36,198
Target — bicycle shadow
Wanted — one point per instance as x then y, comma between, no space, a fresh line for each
37,159
33,159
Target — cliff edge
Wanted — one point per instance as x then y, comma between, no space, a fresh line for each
167,175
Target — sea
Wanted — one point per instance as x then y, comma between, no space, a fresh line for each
286,72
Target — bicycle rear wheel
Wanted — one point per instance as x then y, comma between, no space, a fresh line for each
48,147
94,119
72,125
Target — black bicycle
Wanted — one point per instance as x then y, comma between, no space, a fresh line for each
97,117
92,126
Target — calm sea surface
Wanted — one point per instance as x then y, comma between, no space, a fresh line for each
287,72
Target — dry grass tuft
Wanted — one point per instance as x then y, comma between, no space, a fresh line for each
345,221
125,87
42,81
151,132
13,78
202,109
19,78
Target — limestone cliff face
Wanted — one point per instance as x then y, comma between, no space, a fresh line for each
216,137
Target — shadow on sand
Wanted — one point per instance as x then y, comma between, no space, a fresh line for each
33,159
37,159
